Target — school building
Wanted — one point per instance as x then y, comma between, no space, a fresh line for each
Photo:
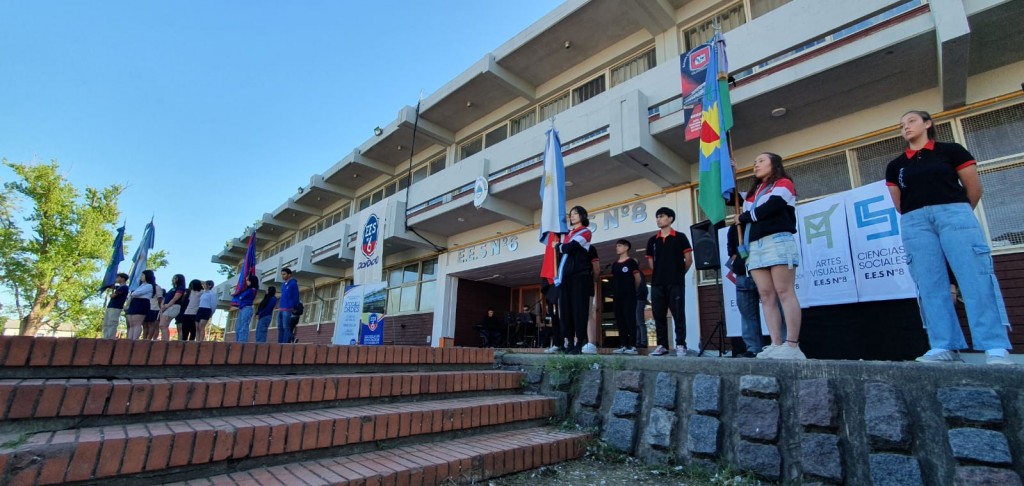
821,82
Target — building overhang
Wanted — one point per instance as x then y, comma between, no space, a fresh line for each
483,88
395,143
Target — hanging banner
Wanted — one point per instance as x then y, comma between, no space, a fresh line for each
361,320
826,268
692,66
369,263
879,260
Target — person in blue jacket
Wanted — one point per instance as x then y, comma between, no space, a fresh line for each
264,312
245,311
289,301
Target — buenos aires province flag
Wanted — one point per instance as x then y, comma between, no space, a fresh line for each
717,181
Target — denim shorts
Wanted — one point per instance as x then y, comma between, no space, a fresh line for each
772,250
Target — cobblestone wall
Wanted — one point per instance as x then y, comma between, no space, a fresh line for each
819,422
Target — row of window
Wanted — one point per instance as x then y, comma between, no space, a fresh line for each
424,170
324,223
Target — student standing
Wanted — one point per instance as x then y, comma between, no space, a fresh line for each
151,327
264,313
625,283
576,280
289,301
935,186
670,255
115,306
769,217
207,304
188,315
593,315
139,306
747,299
245,299
172,305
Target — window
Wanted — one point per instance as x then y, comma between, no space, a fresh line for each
471,148
411,287
761,7
633,67
821,176
277,247
427,169
995,135
589,90
309,306
324,223
554,107
524,121
497,135
729,19
996,140
232,320
327,296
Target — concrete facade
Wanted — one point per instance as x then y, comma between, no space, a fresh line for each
844,72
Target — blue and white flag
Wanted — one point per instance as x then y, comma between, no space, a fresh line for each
552,199
141,254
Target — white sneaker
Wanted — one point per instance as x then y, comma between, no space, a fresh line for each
621,350
787,352
552,350
630,351
940,356
767,351
997,357
659,351
680,352
589,348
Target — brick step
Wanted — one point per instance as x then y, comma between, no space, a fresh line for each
467,460
19,352
168,447
77,398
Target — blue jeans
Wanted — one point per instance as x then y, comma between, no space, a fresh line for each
934,235
284,328
261,328
748,301
242,324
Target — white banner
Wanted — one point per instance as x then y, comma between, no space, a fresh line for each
825,273
369,263
879,259
362,306
733,321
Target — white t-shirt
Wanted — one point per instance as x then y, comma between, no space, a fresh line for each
193,302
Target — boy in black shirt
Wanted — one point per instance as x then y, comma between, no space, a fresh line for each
625,280
670,255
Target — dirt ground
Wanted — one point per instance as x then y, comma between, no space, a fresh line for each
589,470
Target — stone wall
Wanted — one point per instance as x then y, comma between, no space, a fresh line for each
828,422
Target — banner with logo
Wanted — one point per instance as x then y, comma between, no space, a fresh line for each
369,263
879,259
825,274
361,320
692,66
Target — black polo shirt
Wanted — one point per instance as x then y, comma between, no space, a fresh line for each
929,176
669,257
623,280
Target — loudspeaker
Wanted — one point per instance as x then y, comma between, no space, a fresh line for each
705,244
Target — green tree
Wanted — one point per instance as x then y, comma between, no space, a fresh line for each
156,260
51,267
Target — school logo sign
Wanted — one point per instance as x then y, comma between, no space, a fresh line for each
370,236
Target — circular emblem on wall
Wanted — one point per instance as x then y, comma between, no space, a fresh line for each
374,322
370,233
480,190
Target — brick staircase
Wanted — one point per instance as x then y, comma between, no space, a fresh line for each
133,412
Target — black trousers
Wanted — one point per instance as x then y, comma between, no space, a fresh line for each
665,298
573,307
188,327
625,319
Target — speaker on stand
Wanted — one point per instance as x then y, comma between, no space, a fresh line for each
705,257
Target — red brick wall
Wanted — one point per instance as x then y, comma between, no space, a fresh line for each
1009,270
408,330
474,299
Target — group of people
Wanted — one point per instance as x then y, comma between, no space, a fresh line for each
150,308
289,309
935,187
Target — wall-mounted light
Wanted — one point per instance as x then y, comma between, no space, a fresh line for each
568,45
378,131
399,148
779,112
301,190
469,104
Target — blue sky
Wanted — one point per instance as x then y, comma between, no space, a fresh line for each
213,112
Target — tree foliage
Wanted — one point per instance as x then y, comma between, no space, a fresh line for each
51,262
